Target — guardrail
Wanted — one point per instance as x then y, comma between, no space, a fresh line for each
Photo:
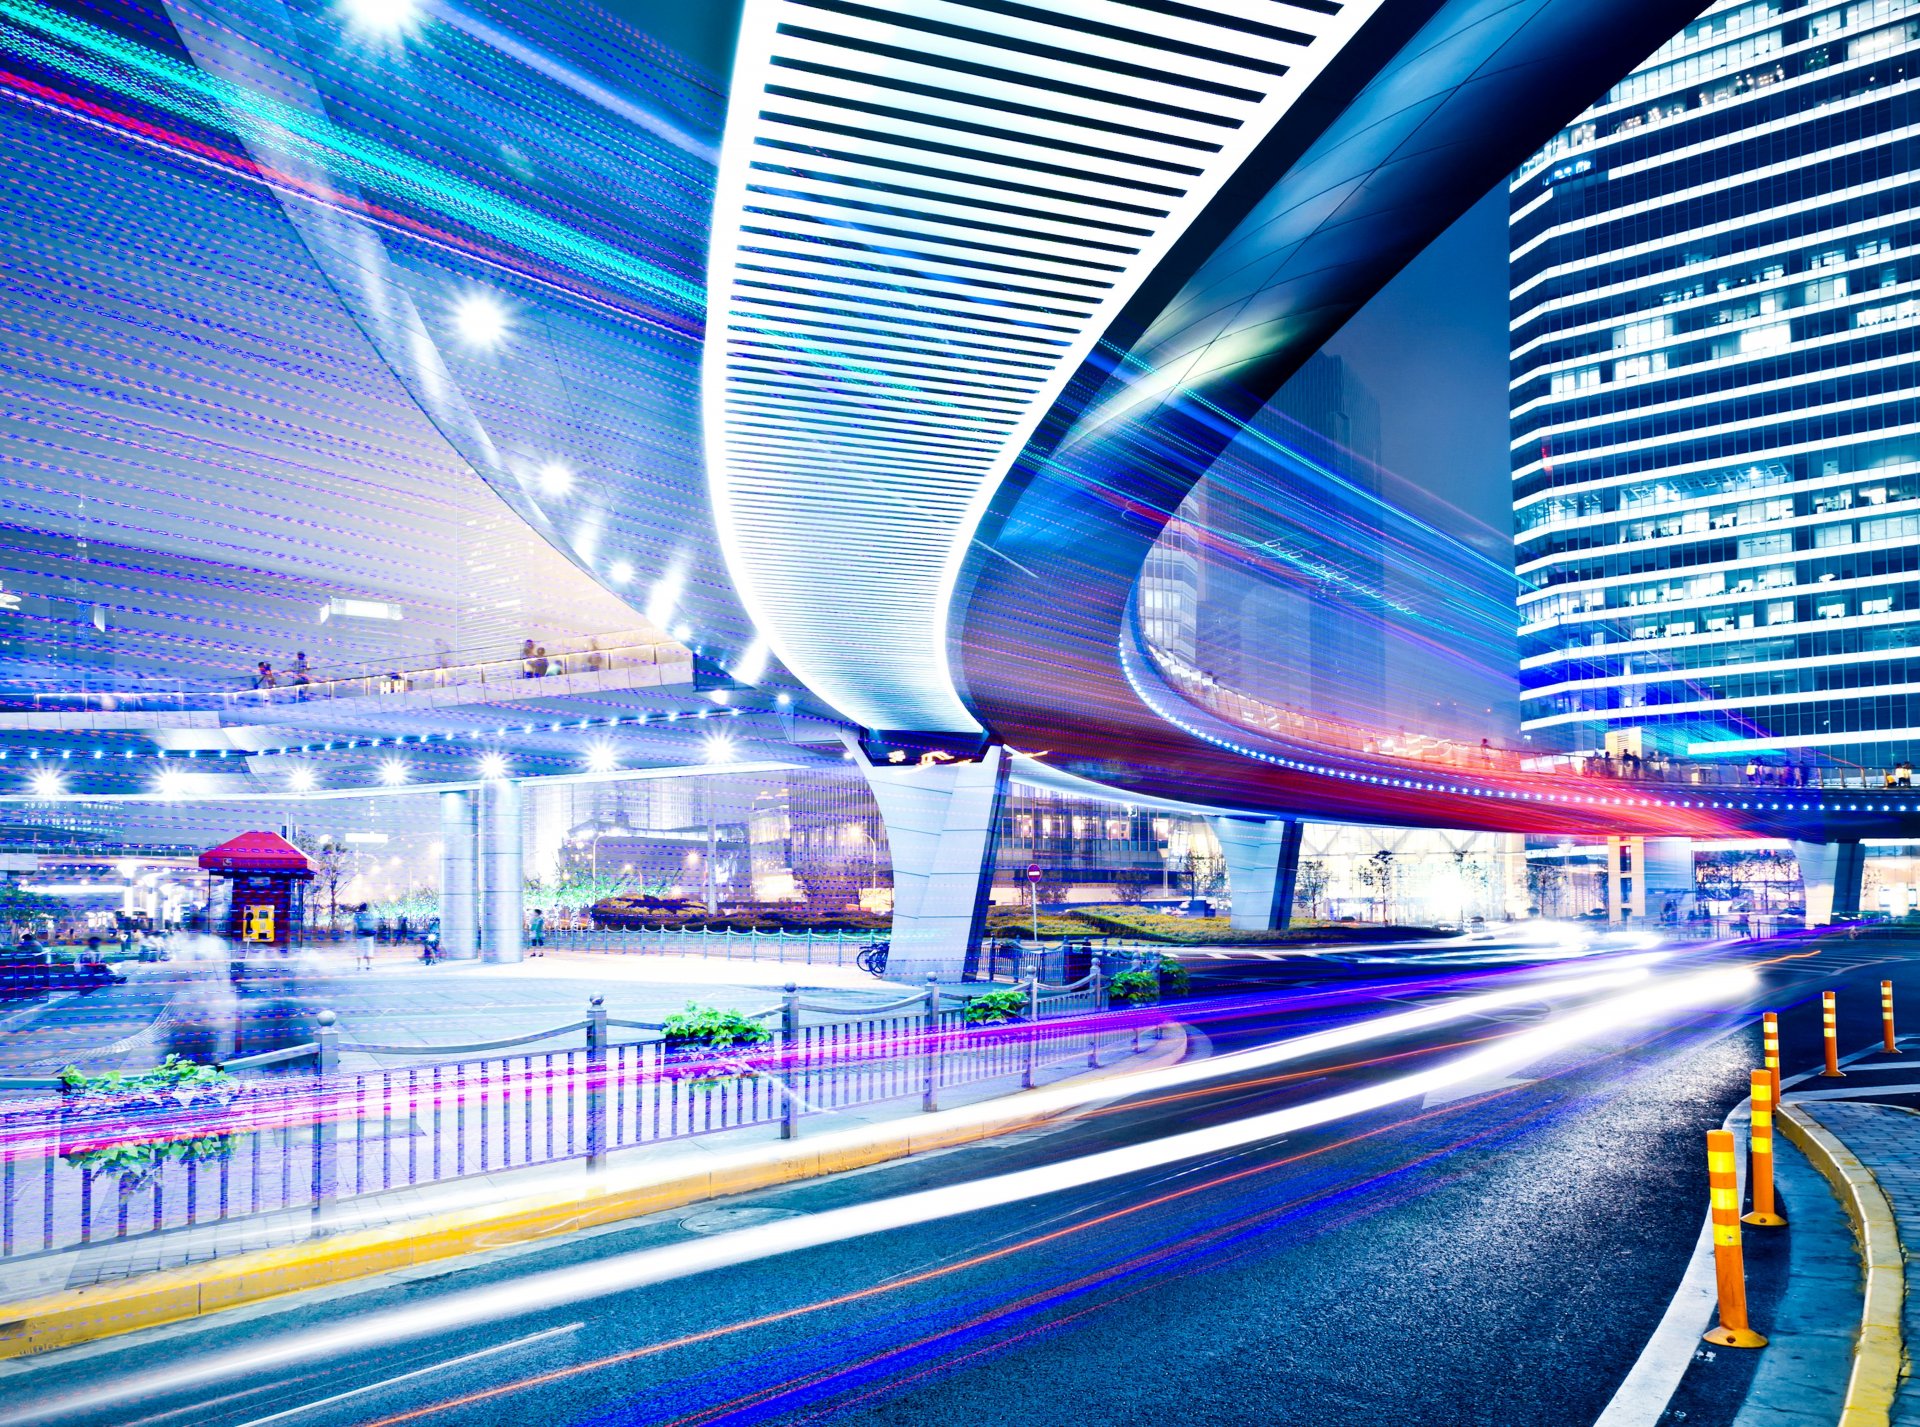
1431,753
1020,958
362,682
810,948
279,1142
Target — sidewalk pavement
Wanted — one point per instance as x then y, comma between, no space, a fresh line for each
1801,1377
1886,1141
403,1002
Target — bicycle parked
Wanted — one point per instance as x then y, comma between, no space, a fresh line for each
872,958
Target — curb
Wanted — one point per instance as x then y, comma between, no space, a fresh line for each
1878,1347
83,1315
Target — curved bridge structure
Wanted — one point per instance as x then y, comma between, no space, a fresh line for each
995,284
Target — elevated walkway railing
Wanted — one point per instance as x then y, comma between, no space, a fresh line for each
1430,753
362,682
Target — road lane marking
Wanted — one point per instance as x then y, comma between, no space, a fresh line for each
427,1371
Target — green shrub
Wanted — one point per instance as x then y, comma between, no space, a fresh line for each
709,1028
995,1008
1133,988
1174,980
173,1084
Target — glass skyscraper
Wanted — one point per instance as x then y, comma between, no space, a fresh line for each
1716,397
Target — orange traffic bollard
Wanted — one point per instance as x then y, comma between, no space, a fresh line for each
1760,1174
1770,1049
1886,1019
1729,1269
1832,1035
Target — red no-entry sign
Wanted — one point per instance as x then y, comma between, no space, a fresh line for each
1033,871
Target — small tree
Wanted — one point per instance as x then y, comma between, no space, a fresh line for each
1376,875
334,865
1310,885
1545,883
1130,885
1204,874
21,908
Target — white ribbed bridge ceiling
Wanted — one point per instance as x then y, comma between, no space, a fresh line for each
928,212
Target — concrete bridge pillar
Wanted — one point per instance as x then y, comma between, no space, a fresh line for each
503,887
1832,874
1263,867
459,894
942,820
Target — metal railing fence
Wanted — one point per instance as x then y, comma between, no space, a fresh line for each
280,1141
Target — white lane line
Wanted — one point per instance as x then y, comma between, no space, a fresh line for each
427,1371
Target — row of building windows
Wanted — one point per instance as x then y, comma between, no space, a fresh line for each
1891,638
1823,261
1668,261
1778,86
1691,374
1815,718
1761,684
1705,517
1759,441
1893,380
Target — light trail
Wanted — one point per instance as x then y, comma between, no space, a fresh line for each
576,1283
1138,1262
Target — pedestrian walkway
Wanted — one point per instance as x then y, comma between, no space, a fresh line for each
1802,1376
1886,1139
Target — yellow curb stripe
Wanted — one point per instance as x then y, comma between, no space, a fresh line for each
84,1315
1878,1347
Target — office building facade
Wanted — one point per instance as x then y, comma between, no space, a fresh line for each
1716,397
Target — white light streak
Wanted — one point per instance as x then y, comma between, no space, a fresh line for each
1655,1004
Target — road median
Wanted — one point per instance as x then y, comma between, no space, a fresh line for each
74,1316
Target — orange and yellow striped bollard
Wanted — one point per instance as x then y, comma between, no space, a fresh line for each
1832,1036
1729,1267
1886,1019
1770,1049
1766,1213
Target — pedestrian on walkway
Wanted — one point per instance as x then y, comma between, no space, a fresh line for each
364,929
263,676
538,929
430,943
526,659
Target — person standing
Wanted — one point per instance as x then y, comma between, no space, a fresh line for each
364,928
526,659
538,929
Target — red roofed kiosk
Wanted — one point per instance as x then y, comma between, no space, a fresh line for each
264,875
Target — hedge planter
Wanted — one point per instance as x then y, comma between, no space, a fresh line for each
102,1121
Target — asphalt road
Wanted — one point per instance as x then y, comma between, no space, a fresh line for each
1499,1257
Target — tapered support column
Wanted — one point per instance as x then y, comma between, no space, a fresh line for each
1832,874
941,823
459,910
503,891
1263,867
